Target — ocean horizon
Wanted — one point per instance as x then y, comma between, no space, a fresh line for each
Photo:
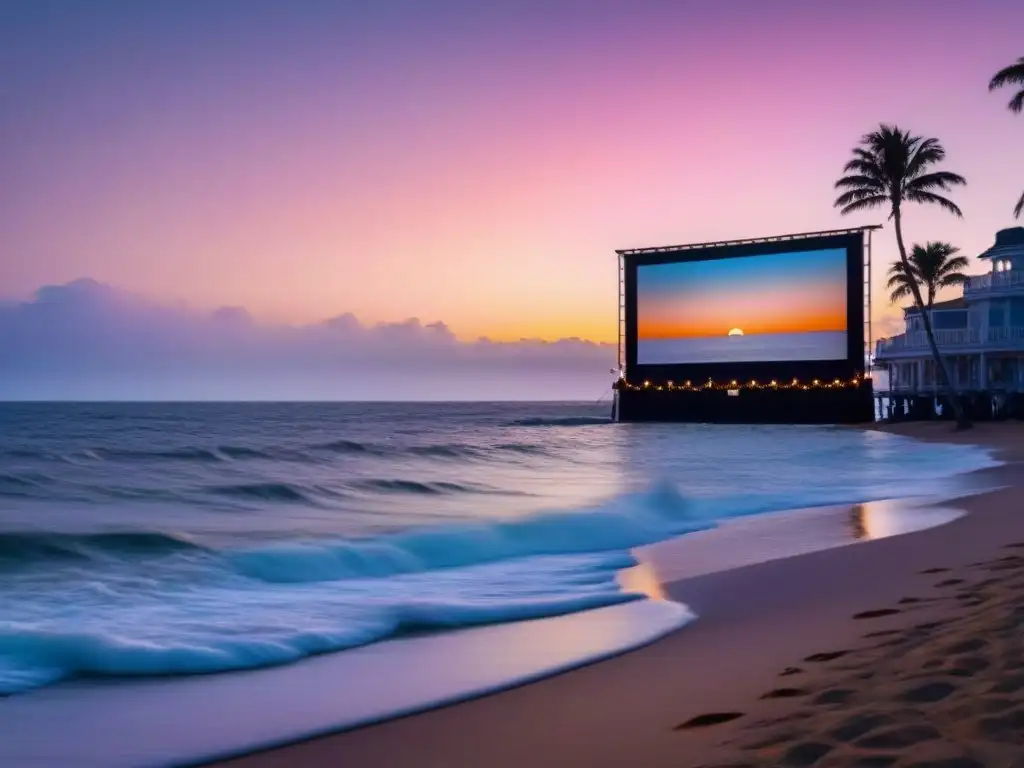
753,348
140,539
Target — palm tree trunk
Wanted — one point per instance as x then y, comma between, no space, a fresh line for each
962,422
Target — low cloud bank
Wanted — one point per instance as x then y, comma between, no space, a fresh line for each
87,340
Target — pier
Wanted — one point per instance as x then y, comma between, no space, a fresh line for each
979,405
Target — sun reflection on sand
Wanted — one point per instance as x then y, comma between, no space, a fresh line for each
642,579
892,517
759,538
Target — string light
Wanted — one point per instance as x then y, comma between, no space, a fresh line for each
711,385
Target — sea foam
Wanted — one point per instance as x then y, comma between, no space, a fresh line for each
187,616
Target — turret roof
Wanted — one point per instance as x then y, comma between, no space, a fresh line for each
1009,242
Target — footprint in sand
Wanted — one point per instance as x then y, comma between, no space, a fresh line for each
772,740
808,753
785,693
969,666
835,696
876,614
882,633
1009,684
928,693
709,719
990,582
1005,728
969,600
902,737
790,671
827,656
1008,563
935,570
858,725
950,583
967,646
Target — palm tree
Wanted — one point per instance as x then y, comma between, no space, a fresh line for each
1012,75
891,167
933,266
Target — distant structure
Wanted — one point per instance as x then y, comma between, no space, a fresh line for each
980,334
737,331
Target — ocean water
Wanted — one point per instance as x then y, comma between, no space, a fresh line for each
753,348
140,539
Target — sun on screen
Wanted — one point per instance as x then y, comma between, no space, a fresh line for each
736,332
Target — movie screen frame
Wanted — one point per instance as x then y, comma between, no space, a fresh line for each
851,365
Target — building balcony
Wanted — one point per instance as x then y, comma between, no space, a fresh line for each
1010,283
964,340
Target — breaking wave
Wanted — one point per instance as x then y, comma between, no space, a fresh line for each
156,603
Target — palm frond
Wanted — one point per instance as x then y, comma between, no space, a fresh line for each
955,265
863,204
1011,75
944,180
897,281
865,167
920,154
901,282
1019,208
948,281
858,193
900,292
897,275
915,196
1017,102
860,182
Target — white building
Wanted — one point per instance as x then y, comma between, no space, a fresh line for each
980,334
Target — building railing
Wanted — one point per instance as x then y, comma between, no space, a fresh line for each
1006,333
919,340
951,339
994,281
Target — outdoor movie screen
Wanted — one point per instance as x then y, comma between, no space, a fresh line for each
764,308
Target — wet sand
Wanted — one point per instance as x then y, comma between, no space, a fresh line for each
901,651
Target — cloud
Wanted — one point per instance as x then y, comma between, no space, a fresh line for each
88,340
888,323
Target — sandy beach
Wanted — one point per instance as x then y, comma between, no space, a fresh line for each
903,651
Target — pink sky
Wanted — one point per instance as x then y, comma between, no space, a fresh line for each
475,166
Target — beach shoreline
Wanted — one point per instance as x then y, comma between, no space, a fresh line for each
755,622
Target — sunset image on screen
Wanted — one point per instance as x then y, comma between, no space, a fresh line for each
775,307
